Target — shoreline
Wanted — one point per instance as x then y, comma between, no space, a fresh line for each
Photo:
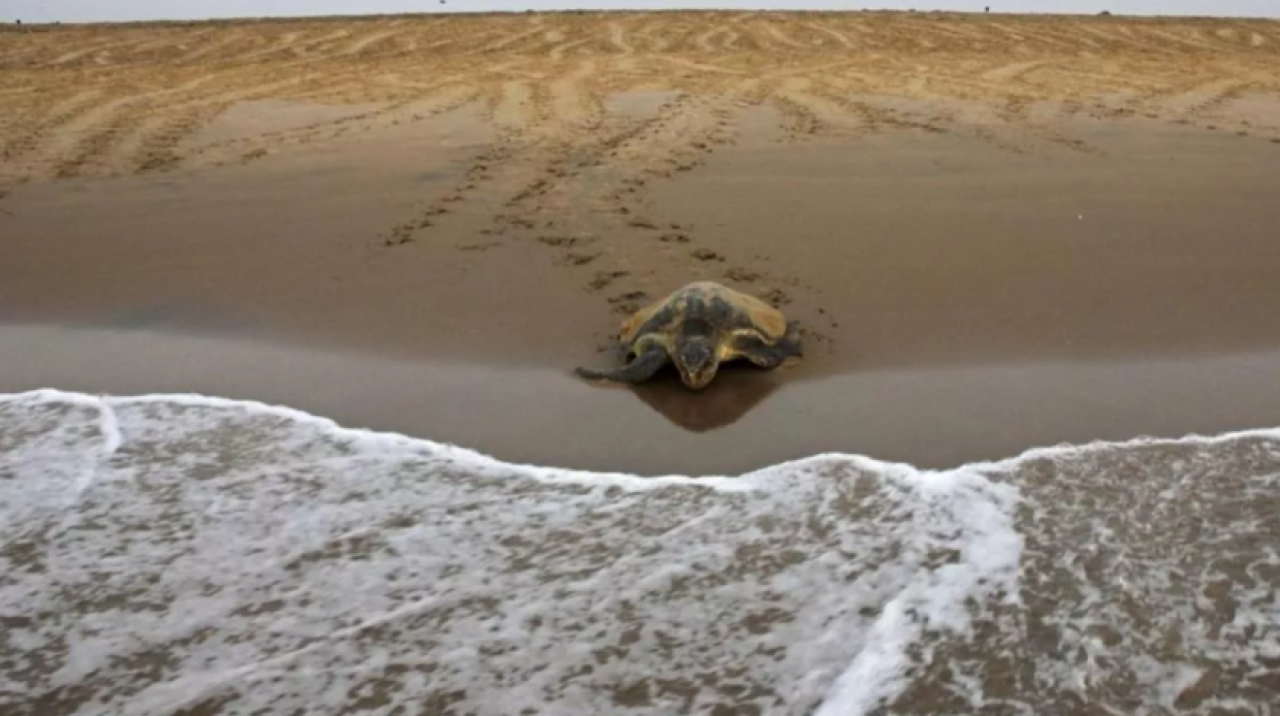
725,480
932,419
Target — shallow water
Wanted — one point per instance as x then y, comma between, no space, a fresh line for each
167,552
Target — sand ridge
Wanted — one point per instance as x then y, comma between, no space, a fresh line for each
83,100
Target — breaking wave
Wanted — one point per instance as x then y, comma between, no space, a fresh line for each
176,552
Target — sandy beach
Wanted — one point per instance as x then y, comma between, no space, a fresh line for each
1008,198
229,248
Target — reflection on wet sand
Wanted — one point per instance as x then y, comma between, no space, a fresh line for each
737,389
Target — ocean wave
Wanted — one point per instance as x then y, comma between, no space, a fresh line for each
169,552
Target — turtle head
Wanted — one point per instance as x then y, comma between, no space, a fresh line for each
695,358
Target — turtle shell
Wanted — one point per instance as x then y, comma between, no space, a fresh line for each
722,308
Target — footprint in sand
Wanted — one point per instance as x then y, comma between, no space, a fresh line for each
573,259
604,278
775,297
629,302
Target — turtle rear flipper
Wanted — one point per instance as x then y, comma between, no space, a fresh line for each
751,345
637,371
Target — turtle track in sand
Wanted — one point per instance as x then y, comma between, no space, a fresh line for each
565,172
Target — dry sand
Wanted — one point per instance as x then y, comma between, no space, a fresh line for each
999,231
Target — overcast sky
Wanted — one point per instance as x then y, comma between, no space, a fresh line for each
99,10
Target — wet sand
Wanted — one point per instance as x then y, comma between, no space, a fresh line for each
987,255
929,416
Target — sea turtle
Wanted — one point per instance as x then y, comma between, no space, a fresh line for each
699,326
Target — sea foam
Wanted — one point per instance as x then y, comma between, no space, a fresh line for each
166,552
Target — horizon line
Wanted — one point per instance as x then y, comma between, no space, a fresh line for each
635,11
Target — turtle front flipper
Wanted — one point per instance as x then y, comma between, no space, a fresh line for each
637,371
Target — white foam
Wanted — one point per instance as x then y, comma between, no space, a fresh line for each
170,550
